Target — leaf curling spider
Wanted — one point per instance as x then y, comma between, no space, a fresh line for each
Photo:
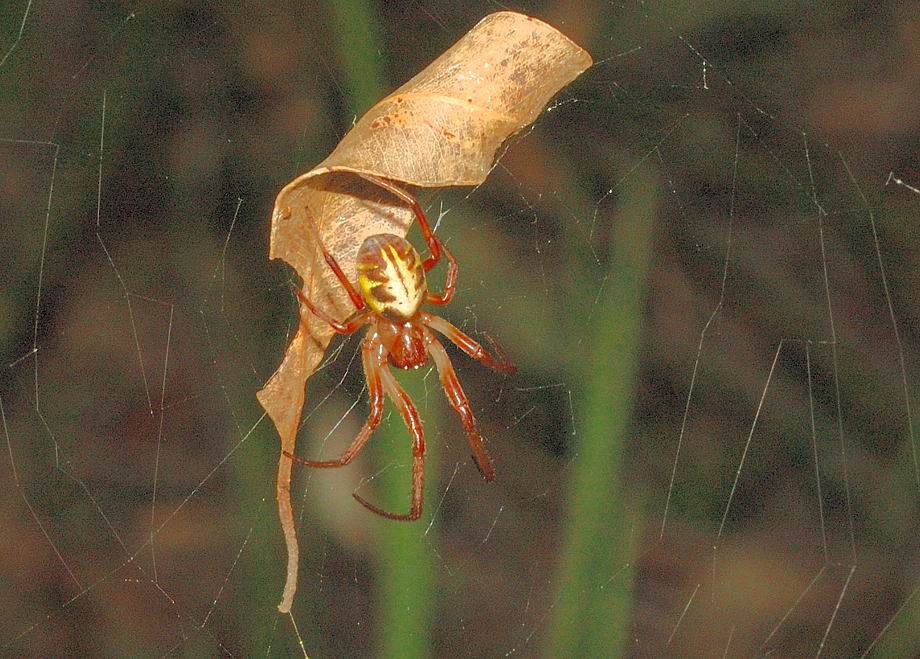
393,287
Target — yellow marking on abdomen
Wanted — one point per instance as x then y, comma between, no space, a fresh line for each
391,279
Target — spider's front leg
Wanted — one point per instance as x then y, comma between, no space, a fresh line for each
373,358
410,415
501,364
461,404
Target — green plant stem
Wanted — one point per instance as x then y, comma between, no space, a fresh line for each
406,569
595,576
406,573
357,31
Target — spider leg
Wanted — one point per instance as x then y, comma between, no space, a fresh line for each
450,284
410,415
353,322
340,275
346,327
502,364
434,245
460,403
372,357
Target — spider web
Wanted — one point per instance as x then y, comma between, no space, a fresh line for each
771,471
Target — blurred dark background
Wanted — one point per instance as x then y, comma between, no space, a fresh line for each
142,147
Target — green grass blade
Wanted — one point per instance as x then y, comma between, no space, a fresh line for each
357,31
595,575
407,574
406,568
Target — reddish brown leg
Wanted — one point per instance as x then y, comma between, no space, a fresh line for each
341,327
460,403
434,245
450,285
469,346
340,275
373,359
414,423
348,326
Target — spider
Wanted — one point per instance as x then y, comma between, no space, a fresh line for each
393,287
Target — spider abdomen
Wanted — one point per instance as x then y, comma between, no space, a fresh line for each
391,276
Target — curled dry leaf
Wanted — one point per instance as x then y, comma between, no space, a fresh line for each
443,127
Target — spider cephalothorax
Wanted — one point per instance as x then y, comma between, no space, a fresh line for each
393,286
